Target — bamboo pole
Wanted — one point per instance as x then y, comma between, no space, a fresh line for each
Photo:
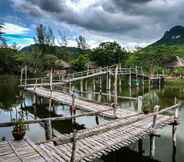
51,78
81,85
74,146
48,129
152,137
21,76
115,90
25,82
139,103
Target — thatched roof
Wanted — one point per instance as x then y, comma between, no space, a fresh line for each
179,62
63,64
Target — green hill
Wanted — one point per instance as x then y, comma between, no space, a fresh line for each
162,52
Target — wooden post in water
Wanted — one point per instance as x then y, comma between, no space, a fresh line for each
97,120
120,79
25,82
48,129
159,84
139,103
21,76
140,147
81,85
51,78
136,74
130,78
70,86
34,99
100,81
149,83
86,85
94,84
74,146
152,136
109,81
115,90
175,125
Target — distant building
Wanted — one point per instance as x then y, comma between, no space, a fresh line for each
179,62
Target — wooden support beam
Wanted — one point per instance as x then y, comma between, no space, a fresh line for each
94,85
81,86
100,82
97,120
25,82
139,104
115,91
140,147
86,84
130,78
152,137
21,76
48,129
74,146
51,79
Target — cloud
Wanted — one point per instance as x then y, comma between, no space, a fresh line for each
130,21
14,29
20,40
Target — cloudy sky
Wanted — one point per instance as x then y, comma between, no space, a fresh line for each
129,22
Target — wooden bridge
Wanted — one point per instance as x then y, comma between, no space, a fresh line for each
124,128
90,73
80,103
89,144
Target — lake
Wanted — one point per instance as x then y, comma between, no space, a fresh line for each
12,107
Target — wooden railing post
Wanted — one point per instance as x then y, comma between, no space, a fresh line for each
175,125
21,76
74,147
48,129
130,78
51,78
139,103
152,136
25,82
35,84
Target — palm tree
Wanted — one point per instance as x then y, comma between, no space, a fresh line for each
2,39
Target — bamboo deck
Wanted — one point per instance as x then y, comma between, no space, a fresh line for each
91,143
21,151
81,104
106,140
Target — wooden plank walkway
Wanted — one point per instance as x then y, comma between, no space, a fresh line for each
91,143
81,104
21,151
95,145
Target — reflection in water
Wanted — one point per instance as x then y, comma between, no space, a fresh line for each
11,106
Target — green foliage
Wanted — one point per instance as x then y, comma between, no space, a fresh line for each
108,53
80,63
8,60
153,57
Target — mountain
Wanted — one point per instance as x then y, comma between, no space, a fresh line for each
61,52
162,52
174,36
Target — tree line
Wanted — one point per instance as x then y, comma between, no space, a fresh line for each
45,54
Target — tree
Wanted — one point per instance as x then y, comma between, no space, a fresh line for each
108,53
44,37
81,42
62,39
80,63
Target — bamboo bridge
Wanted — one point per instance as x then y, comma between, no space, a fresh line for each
124,128
89,144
